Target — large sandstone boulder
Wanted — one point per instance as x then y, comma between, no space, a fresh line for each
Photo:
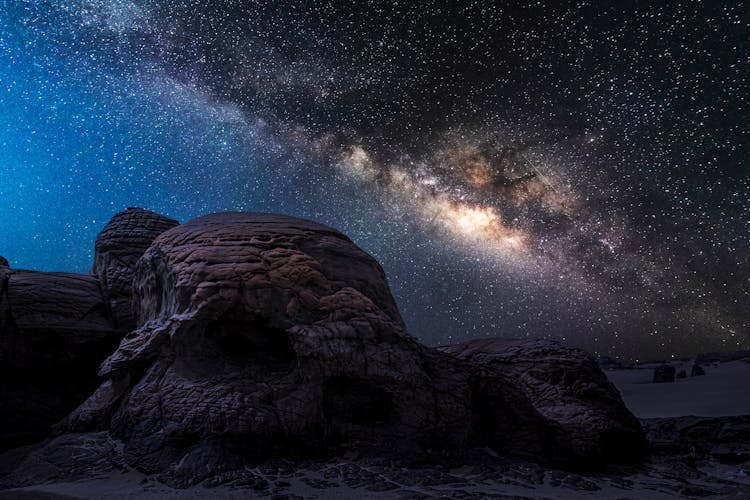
117,249
257,335
54,332
551,401
256,330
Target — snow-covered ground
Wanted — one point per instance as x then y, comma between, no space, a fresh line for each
724,390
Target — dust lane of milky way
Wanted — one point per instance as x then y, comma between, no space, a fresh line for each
575,171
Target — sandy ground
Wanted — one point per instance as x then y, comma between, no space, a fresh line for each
330,482
723,391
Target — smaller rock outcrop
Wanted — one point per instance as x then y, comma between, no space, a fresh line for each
117,249
725,439
552,401
57,328
4,262
697,370
54,332
664,373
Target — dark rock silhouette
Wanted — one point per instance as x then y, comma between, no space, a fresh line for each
681,374
57,328
576,416
4,262
697,370
117,249
721,357
262,335
664,373
54,332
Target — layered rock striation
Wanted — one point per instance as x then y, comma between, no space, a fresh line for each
116,252
540,398
259,335
57,328
54,332
268,334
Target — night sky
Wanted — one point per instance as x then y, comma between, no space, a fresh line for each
571,170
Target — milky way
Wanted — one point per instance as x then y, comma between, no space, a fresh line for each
572,171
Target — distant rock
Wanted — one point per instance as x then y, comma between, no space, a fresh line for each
681,374
54,332
577,417
607,363
721,357
117,249
4,262
664,373
697,370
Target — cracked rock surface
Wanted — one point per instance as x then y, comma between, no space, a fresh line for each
54,332
116,251
57,328
259,336
257,331
580,418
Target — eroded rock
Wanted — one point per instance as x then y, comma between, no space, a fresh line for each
54,332
258,335
552,401
117,249
256,330
663,374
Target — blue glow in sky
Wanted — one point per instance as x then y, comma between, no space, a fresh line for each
568,171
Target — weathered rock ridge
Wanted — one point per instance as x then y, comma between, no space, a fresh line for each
116,252
265,328
581,417
57,328
54,331
258,335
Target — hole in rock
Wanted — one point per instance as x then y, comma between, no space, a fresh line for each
253,342
620,446
356,401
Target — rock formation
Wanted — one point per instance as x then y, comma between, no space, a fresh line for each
4,262
260,329
54,332
664,373
697,370
258,335
548,400
116,251
57,328
724,439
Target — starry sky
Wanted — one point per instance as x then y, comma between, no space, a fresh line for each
571,170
